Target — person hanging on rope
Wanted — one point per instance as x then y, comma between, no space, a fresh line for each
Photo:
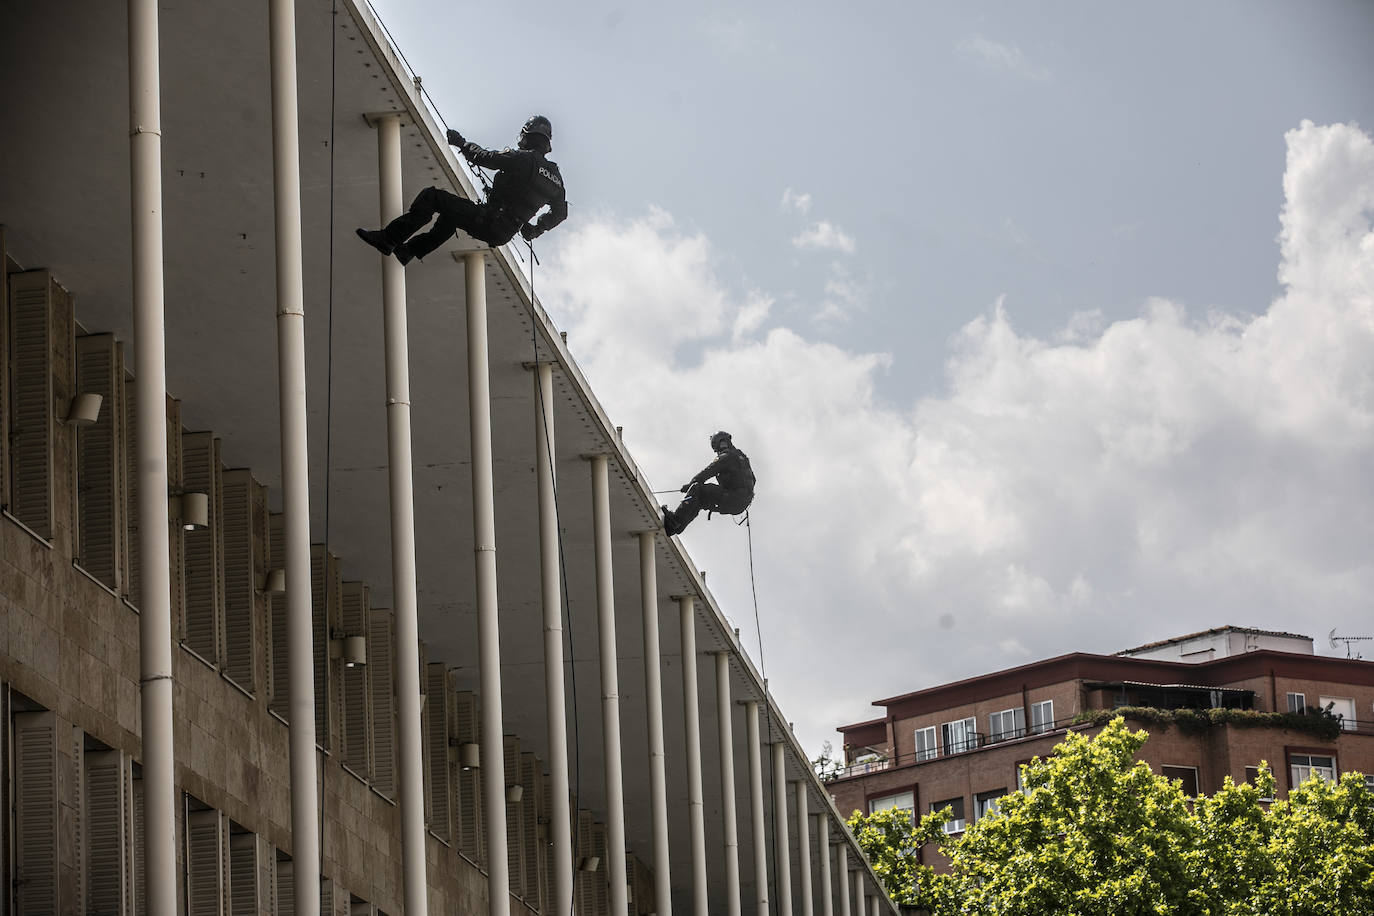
730,495
526,180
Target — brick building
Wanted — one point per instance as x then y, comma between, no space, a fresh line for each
961,744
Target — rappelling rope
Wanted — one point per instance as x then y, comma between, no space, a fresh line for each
562,562
763,672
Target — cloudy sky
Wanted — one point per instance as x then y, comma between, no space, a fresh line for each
1048,327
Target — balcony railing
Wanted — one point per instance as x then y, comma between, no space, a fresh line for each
974,741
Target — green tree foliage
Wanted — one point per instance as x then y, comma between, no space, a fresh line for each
1097,833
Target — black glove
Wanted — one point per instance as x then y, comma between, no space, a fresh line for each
455,138
529,232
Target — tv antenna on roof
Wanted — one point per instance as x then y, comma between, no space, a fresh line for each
1349,643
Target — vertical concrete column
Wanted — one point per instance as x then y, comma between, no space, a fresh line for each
860,906
295,470
653,698
150,410
760,834
691,717
610,685
782,852
554,687
410,788
730,829
804,848
873,904
823,842
846,882
488,623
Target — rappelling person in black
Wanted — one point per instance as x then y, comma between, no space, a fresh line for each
730,495
526,180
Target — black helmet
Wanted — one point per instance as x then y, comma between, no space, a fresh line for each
719,439
538,124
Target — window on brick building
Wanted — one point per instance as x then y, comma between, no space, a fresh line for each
1021,776
1303,766
1252,777
1344,707
1297,702
956,823
904,800
1009,723
926,748
1042,716
960,735
1186,775
986,804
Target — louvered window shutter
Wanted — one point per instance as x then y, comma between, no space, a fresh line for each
132,587
204,863
286,887
530,803
35,812
424,727
278,657
246,854
382,686
356,721
123,444
324,595
176,541
262,566
140,879
334,900
585,882
71,814
545,809
108,886
4,383
436,751
32,401
241,497
99,506
515,825
204,610
601,894
472,835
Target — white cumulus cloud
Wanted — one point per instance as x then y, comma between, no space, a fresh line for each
1001,55
795,200
824,234
1105,486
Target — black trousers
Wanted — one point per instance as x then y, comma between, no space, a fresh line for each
711,497
454,213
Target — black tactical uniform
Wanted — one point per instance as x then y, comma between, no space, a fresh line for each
731,495
525,182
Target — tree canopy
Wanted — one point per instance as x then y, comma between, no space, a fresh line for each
1095,832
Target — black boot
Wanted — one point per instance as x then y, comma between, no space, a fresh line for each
377,239
670,522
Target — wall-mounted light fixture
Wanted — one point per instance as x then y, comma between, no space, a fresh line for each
589,863
190,510
352,650
274,583
84,410
467,755
514,794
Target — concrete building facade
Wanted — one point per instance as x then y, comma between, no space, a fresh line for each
329,587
